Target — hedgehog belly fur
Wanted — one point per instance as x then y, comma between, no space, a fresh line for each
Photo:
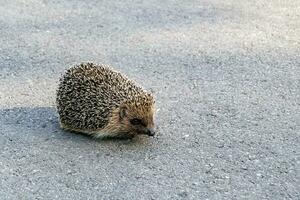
94,133
110,130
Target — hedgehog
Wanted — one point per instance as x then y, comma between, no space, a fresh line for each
96,100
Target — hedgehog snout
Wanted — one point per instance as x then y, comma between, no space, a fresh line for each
150,132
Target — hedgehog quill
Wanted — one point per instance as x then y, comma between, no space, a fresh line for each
96,100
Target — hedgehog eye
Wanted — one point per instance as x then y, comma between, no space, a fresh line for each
135,121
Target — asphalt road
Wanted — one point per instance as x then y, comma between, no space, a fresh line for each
226,75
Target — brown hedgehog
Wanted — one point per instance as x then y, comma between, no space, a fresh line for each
98,101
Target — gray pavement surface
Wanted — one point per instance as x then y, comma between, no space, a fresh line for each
226,75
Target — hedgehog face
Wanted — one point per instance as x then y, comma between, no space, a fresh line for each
138,118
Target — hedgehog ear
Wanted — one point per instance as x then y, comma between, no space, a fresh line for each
123,112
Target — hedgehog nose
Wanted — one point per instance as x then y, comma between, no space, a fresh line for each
150,132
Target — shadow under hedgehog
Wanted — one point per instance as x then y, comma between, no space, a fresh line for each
98,101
